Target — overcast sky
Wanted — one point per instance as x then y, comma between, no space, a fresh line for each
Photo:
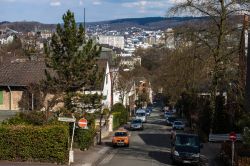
51,11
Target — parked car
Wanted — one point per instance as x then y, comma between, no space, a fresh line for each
170,120
168,114
136,124
185,148
148,112
178,125
120,138
141,114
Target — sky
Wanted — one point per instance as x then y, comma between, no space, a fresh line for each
51,11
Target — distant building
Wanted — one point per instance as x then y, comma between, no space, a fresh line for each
129,62
115,41
169,38
6,39
46,35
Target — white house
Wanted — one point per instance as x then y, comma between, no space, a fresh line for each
105,87
106,90
6,40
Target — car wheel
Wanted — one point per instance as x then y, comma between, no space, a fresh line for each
114,145
127,145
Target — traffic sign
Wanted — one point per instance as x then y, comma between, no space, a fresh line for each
66,119
232,136
83,123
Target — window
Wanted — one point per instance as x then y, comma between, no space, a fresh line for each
1,97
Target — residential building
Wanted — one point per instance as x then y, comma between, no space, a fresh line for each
115,41
19,75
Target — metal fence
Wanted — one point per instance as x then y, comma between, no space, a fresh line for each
6,114
222,137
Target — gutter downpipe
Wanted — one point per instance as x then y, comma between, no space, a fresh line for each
10,98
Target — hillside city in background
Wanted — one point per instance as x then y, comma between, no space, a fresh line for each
169,90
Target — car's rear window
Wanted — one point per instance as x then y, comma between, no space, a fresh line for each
140,114
184,140
178,123
121,134
171,119
136,121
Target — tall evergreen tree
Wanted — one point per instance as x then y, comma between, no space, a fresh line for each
70,58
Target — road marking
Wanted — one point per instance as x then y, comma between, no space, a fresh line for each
103,150
107,159
87,164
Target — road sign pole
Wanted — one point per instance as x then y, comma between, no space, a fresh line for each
232,153
71,152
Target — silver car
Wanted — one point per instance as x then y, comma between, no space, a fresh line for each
136,124
178,125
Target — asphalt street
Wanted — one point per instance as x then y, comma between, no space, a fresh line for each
150,147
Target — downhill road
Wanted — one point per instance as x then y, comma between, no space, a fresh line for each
150,147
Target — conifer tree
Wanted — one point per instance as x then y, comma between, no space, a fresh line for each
70,59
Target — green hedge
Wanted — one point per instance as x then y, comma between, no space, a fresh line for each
84,138
33,143
120,115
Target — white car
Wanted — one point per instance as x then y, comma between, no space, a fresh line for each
141,114
178,125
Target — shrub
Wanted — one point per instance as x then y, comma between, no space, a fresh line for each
84,138
33,143
30,117
120,115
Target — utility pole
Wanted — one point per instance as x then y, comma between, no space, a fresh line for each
242,54
247,99
84,23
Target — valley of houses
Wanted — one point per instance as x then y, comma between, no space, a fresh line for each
19,73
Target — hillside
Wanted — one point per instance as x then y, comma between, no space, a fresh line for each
26,26
148,23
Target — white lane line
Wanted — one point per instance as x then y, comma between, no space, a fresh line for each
107,159
103,150
87,164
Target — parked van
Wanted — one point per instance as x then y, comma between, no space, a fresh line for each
141,114
185,148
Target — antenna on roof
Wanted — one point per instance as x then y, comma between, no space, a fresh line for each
84,24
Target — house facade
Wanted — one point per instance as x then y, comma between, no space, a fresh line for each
18,75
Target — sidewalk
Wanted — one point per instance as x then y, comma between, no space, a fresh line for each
211,151
81,158
92,155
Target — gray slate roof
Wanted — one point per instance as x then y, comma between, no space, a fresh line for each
21,72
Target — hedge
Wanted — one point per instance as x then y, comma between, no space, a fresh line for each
84,138
34,143
120,115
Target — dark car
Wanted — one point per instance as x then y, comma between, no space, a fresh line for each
170,120
186,149
148,111
178,125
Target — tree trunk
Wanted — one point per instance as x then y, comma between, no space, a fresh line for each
100,131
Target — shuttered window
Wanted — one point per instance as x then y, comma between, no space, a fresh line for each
1,97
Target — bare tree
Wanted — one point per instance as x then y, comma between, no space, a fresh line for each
123,84
216,36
